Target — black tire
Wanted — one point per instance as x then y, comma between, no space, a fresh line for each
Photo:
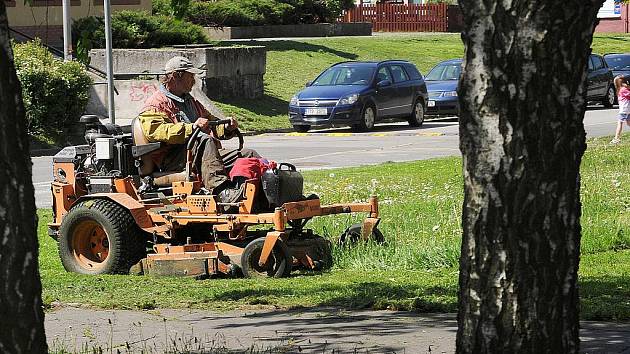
100,237
417,115
352,235
302,128
609,99
279,263
323,253
319,250
368,118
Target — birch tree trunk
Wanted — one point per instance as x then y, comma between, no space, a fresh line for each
522,96
21,312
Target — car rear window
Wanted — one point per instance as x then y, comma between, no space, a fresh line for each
598,63
398,73
414,74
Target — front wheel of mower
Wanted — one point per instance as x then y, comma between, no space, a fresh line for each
352,235
99,237
278,264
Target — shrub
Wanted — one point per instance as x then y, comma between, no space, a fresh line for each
55,93
138,29
240,13
263,12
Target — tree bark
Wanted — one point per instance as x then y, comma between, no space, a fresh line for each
522,96
21,311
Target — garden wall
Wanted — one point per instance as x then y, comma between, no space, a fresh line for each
301,30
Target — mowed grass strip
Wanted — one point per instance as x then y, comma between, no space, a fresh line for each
291,63
416,269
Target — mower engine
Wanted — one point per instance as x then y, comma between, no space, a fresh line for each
106,156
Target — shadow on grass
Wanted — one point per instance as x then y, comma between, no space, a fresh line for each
294,45
266,105
374,295
605,298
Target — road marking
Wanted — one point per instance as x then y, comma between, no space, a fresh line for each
42,183
342,135
339,134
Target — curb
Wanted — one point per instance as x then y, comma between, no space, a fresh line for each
45,152
359,134
53,151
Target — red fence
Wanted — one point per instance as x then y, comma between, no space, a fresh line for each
400,17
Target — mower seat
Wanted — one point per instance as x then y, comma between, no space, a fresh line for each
142,150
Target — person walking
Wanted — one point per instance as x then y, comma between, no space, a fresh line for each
622,84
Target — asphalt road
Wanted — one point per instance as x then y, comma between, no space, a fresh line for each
332,148
323,330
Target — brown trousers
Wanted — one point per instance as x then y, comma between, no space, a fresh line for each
207,159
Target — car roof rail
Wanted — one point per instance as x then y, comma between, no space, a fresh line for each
394,60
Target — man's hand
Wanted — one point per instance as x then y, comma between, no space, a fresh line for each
202,123
233,123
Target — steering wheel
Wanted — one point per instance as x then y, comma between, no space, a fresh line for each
214,123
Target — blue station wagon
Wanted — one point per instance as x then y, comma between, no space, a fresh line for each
359,94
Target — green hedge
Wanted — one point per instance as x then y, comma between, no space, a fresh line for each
255,12
55,93
136,29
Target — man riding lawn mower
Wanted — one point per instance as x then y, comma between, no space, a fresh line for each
115,207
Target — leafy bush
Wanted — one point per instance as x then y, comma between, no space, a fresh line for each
55,93
262,12
137,29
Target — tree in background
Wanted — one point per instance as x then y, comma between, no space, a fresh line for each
21,312
522,97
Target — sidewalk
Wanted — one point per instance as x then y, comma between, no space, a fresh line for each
325,330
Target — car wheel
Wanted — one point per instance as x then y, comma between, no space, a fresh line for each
301,128
368,117
417,115
609,98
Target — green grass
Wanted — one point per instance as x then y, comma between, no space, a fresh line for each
291,63
417,268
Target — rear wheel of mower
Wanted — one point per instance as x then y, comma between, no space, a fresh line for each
278,264
99,237
352,235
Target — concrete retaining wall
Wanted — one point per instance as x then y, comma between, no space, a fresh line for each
131,97
302,30
230,72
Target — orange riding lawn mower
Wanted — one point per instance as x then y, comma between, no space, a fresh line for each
113,213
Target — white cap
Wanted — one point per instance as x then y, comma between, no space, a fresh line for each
181,64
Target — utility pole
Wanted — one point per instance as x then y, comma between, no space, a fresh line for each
67,33
110,70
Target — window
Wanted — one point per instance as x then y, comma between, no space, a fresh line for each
383,74
340,75
118,2
597,62
9,3
414,74
398,73
444,72
44,3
